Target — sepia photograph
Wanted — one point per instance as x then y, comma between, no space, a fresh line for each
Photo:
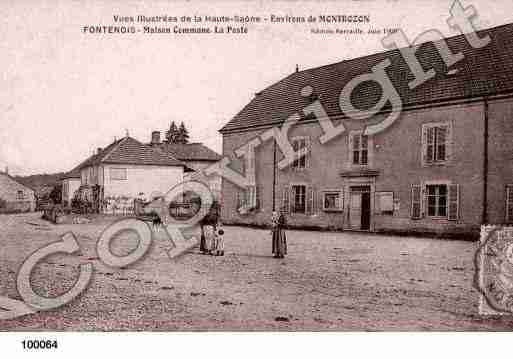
255,166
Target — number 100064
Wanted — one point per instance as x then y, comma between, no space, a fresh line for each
39,344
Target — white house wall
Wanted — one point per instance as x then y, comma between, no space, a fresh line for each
69,186
141,179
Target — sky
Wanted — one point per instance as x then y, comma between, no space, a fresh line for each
64,93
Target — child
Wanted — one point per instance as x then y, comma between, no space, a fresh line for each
217,247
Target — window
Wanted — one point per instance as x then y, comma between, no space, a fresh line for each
436,199
118,174
300,146
435,141
248,198
333,201
298,199
384,203
20,195
359,149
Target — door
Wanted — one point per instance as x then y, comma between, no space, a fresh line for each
355,210
366,211
360,208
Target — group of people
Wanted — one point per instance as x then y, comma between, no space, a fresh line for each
213,243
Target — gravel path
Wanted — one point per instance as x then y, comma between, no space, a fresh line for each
329,281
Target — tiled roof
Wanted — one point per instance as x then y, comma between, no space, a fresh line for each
130,151
8,176
74,173
484,71
190,151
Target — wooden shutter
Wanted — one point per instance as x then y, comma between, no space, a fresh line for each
454,200
257,196
509,203
416,199
341,200
248,195
430,144
285,204
308,152
377,202
309,200
350,146
448,142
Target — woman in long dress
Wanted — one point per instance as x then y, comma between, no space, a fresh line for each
278,232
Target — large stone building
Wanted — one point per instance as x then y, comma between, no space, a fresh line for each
444,166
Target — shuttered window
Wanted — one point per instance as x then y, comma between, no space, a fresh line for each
299,199
436,140
359,149
301,146
436,200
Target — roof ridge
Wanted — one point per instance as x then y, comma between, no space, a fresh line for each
18,182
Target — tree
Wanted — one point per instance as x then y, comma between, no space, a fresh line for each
183,134
172,133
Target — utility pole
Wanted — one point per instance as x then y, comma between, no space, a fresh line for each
274,175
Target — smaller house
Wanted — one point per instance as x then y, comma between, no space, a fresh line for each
126,170
196,157
70,184
15,196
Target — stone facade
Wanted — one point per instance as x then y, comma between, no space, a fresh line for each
450,192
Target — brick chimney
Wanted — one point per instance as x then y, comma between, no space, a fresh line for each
98,150
155,137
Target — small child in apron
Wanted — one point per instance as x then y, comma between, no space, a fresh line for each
217,243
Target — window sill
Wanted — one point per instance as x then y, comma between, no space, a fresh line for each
437,218
437,164
332,210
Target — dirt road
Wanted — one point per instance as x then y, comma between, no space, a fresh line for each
328,281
